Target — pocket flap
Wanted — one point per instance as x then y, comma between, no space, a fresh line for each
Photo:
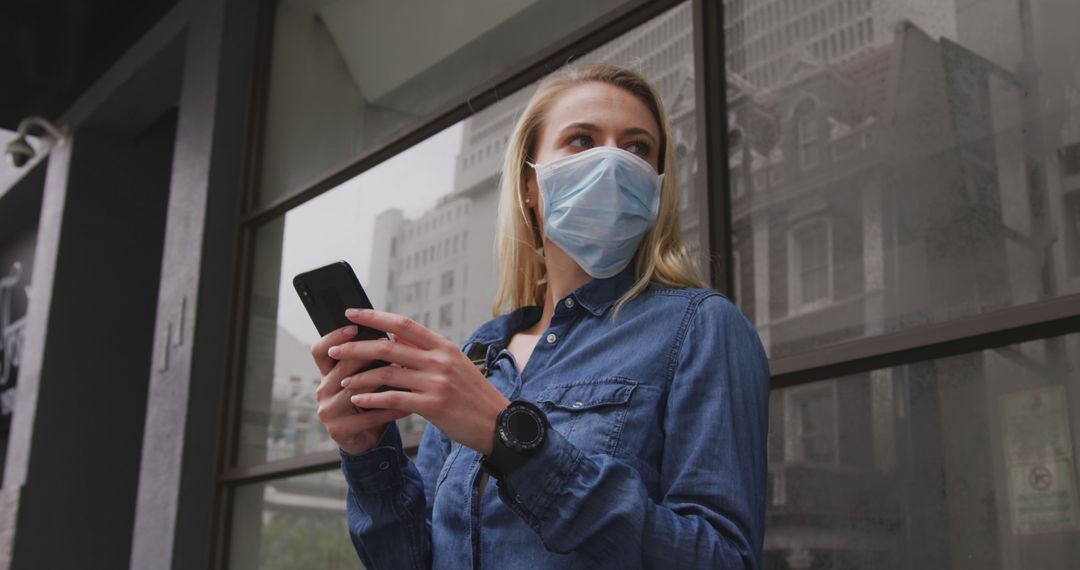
588,394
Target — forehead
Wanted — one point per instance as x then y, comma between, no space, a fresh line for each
602,104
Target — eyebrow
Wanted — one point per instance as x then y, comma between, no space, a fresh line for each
593,128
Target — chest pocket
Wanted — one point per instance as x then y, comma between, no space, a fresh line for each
591,413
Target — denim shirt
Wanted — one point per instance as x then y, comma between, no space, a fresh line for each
656,457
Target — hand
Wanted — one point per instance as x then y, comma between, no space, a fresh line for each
353,431
446,388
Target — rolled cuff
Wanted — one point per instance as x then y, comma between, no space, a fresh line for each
377,470
531,490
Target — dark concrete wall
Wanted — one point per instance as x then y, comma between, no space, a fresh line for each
91,402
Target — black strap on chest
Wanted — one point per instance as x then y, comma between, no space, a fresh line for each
477,353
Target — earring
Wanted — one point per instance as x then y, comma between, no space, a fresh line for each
528,200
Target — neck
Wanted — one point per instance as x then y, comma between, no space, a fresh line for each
563,276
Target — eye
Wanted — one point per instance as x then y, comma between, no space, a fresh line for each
580,141
638,148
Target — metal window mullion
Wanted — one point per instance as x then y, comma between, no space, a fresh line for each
713,185
1023,323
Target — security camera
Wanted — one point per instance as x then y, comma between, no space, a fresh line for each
19,151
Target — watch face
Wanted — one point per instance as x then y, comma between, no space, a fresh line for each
523,428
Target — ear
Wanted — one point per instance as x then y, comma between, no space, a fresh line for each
532,189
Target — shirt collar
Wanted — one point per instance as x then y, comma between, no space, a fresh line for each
598,295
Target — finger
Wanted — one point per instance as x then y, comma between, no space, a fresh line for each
318,350
396,338
382,349
391,400
398,325
331,381
396,376
336,406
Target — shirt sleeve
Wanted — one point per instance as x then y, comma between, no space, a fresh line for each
712,476
389,499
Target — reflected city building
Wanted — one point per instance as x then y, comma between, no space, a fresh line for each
896,165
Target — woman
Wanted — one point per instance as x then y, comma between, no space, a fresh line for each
623,415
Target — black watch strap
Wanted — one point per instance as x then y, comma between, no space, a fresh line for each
520,430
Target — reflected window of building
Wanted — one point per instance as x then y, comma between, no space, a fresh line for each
447,285
806,133
446,316
810,430
810,250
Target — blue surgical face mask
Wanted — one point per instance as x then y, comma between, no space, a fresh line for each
598,205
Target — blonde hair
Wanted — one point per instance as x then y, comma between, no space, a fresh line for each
661,257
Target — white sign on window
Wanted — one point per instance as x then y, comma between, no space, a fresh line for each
1039,459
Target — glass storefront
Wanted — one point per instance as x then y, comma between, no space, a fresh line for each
892,167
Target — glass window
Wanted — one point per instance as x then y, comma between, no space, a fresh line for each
297,522
350,74
363,223
941,150
962,462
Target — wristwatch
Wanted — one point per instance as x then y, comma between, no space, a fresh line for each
520,430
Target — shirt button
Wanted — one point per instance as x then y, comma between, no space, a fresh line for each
578,404
551,338
569,302
384,465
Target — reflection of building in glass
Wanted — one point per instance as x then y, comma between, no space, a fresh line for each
427,265
870,195
440,268
765,38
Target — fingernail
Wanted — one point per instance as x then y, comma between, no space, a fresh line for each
356,399
345,382
349,331
352,313
334,351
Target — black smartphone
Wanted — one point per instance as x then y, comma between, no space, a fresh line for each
326,292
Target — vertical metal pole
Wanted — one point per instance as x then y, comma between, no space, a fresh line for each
713,180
